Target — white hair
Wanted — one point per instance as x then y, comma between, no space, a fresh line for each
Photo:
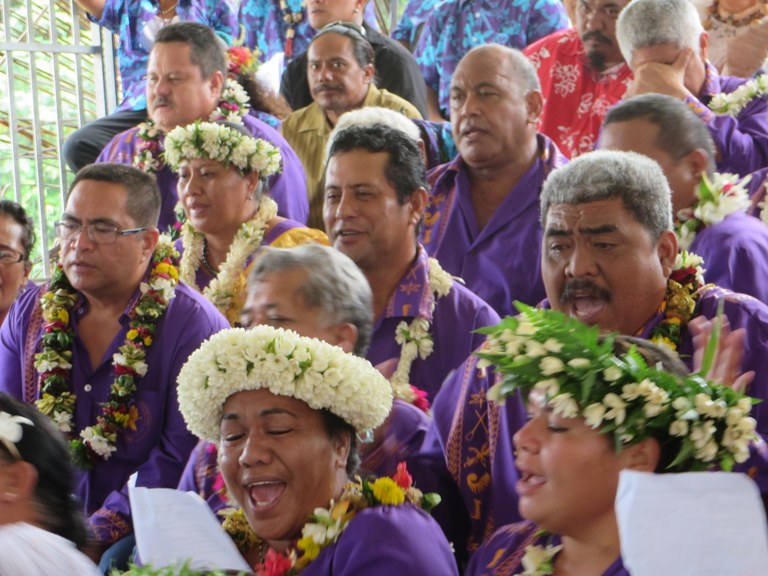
646,23
371,115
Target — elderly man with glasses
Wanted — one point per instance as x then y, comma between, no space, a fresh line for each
98,348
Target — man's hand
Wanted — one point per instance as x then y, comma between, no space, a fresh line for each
726,367
658,78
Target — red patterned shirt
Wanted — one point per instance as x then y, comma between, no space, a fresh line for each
576,97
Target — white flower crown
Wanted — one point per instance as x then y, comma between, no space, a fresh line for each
286,364
223,144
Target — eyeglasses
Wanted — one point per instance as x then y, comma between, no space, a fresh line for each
10,256
98,233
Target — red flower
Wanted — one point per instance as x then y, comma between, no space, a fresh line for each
401,477
275,564
421,401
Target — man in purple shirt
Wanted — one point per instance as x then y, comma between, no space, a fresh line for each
609,258
185,79
664,44
79,345
734,245
374,200
482,219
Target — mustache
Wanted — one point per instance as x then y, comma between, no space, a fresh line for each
327,86
583,288
161,101
598,36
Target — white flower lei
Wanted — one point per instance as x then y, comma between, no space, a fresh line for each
735,102
415,339
221,290
286,364
717,199
537,560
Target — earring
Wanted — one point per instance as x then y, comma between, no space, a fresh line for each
356,10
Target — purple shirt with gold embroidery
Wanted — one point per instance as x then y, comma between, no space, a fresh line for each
160,446
742,142
503,553
452,326
468,457
500,262
287,188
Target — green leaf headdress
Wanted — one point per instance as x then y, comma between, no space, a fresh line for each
618,387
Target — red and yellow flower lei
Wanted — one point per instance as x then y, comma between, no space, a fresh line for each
683,288
54,360
326,525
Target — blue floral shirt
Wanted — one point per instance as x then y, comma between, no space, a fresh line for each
132,22
457,26
415,14
262,26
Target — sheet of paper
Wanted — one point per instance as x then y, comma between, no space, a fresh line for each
173,527
697,524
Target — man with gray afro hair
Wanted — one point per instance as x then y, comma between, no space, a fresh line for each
609,258
666,47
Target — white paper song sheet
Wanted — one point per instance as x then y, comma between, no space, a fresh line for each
697,524
173,527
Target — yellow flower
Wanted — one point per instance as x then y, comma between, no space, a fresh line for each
62,315
132,334
386,491
310,548
147,340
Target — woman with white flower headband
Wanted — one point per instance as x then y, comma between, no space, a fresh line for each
222,170
597,405
285,410
41,524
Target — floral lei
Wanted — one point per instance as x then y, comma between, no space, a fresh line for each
233,105
539,560
415,340
733,103
683,288
54,361
326,525
222,289
718,198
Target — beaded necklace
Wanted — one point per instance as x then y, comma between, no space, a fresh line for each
291,18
